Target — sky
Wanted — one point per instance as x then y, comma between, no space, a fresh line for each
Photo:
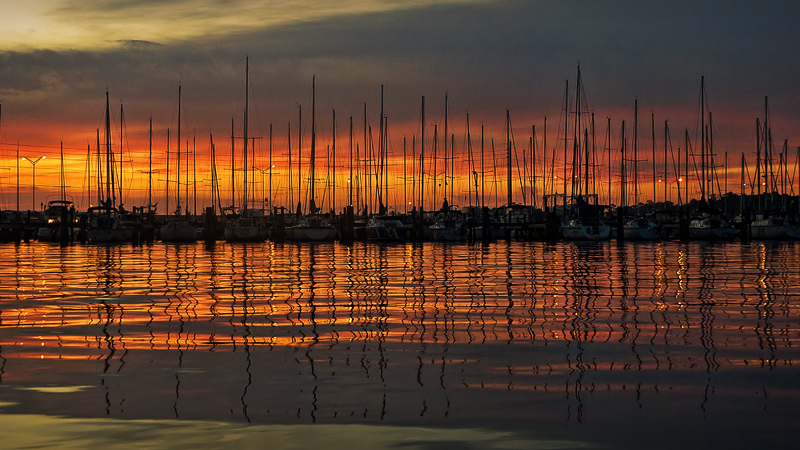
59,57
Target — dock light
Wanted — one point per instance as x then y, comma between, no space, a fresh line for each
33,163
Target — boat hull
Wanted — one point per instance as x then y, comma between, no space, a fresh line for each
310,233
768,230
636,233
586,232
178,231
246,229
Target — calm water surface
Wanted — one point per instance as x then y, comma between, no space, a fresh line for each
506,345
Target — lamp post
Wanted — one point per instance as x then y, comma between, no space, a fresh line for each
33,163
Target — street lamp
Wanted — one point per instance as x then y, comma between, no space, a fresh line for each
33,163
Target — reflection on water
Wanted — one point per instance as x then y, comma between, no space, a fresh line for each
525,344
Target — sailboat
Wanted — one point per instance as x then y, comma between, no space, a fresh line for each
771,222
448,223
178,228
710,226
312,227
245,225
105,223
60,218
638,228
585,221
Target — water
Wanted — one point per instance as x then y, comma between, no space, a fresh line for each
506,345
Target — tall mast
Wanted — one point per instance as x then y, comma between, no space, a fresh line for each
150,167
422,161
533,166
121,122
381,168
666,179
576,146
291,188
636,152
168,157
233,166
270,167
435,147
608,153
350,183
544,158
483,184
63,187
508,156
445,147
366,153
194,174
566,127
246,114
623,201
109,168
312,205
178,147
299,159
653,129
405,188
99,170
702,138
333,157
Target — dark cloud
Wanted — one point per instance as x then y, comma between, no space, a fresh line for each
488,56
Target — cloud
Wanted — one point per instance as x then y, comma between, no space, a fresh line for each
489,56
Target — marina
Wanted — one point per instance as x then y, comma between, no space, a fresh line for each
438,224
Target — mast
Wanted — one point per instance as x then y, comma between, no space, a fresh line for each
435,147
608,153
109,171
405,187
623,201
381,149
121,122
702,139
533,167
508,156
758,163
312,205
636,153
233,167
63,187
653,129
366,152
544,163
483,184
18,160
576,147
422,161
150,167
299,159
566,127
270,168
194,174
178,147
350,180
445,148
333,157
167,205
246,114
666,178
99,170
